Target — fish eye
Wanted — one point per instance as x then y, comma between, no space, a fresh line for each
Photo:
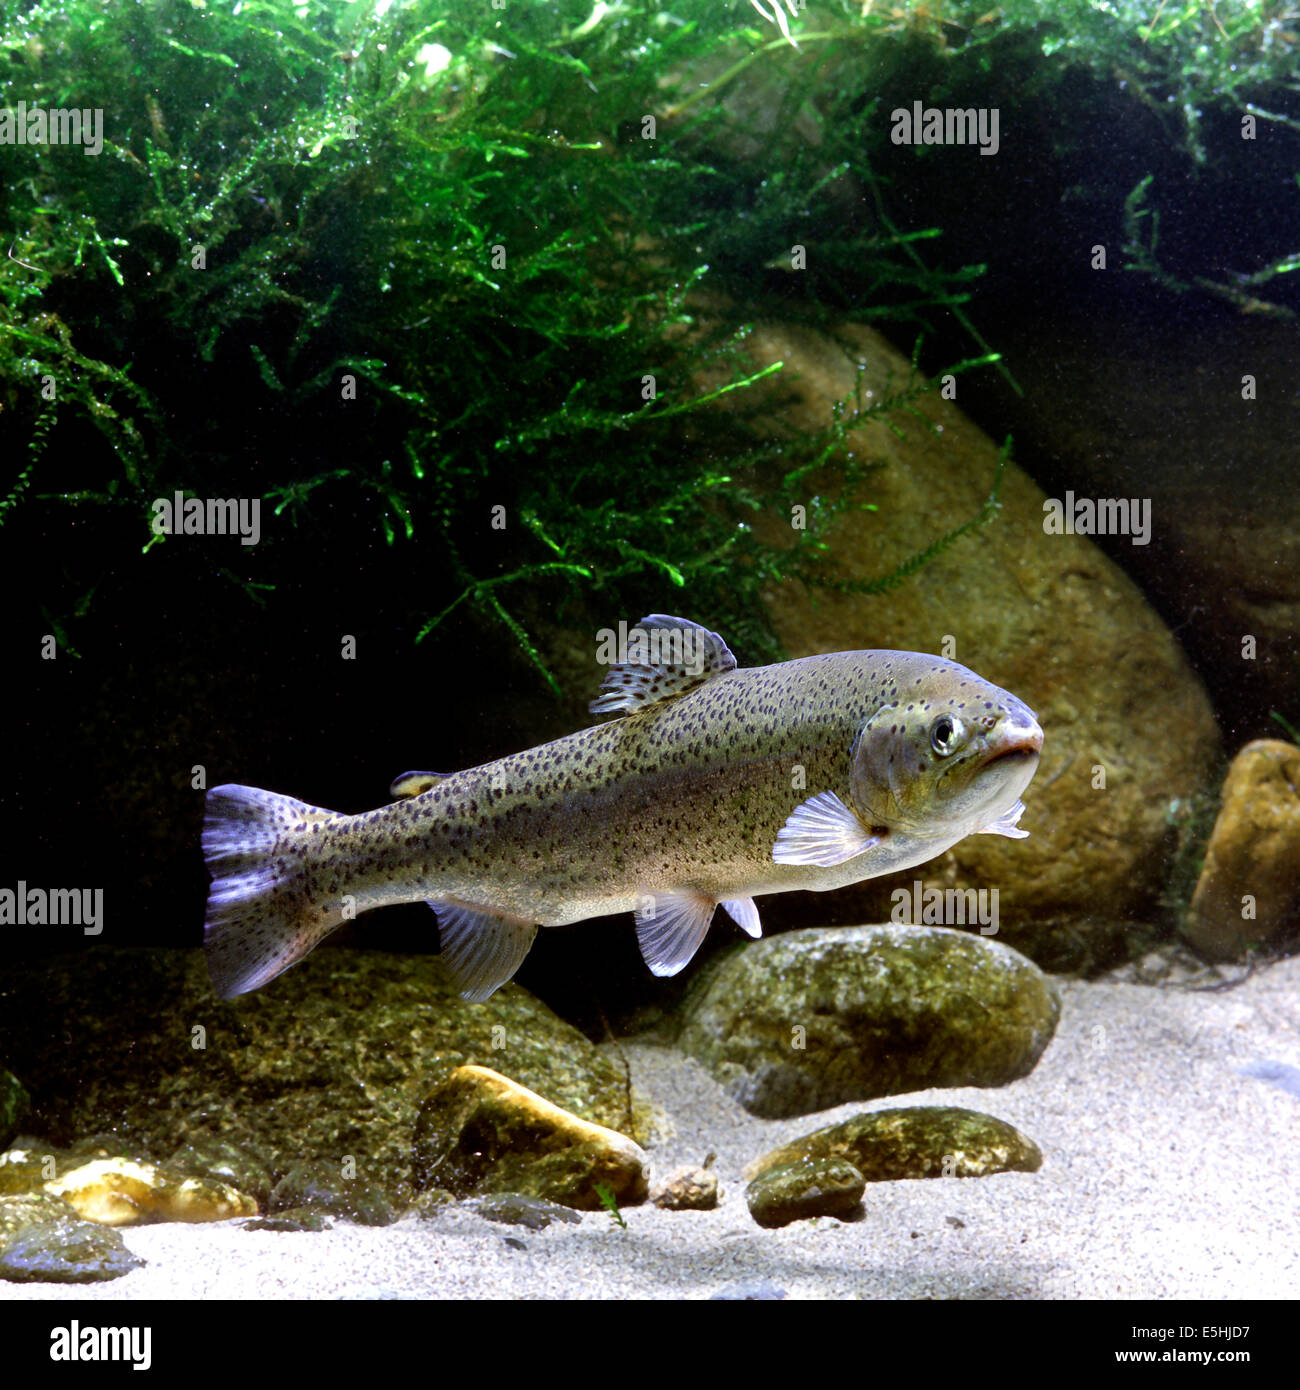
946,734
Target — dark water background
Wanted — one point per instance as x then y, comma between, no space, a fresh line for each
1129,390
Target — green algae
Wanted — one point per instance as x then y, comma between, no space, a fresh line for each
407,267
406,264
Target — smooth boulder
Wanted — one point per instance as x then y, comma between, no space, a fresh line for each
810,1019
1248,893
480,1132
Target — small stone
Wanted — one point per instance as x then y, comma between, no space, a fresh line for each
479,1132
71,1252
919,1141
759,1291
1248,894
1280,1074
687,1189
804,1188
122,1192
515,1209
320,1187
227,1163
30,1209
1154,967
291,1220
433,1201
184,1198
25,1170
41,1241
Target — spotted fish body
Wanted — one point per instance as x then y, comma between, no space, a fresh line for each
717,786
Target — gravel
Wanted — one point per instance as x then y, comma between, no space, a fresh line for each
1168,1142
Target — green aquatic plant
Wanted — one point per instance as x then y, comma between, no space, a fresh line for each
1291,731
1191,822
1141,239
610,1203
437,272
427,254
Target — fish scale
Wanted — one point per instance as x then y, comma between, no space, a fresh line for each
717,785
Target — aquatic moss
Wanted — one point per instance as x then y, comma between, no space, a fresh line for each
412,247
1141,242
1182,58
407,267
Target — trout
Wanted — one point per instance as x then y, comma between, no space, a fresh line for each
714,786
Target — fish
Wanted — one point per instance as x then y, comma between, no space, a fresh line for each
712,786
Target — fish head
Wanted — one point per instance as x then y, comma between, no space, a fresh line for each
947,755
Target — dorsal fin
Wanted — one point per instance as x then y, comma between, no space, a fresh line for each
659,658
413,783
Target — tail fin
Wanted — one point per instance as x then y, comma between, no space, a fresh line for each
261,914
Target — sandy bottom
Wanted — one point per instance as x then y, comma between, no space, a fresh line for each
1168,1172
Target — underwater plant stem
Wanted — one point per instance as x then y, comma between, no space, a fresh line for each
737,68
905,243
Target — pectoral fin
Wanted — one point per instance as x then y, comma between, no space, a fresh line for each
822,831
413,783
1006,825
482,949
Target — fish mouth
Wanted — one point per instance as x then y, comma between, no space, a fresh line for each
1019,744
1014,762
1001,776
1022,752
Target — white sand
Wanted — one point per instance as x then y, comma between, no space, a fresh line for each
1167,1174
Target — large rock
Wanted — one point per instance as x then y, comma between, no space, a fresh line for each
42,1241
801,1022
330,1061
1048,617
917,1141
1248,894
481,1132
1158,410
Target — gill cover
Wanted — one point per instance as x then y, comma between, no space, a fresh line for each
885,761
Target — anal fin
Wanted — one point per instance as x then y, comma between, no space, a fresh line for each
481,948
